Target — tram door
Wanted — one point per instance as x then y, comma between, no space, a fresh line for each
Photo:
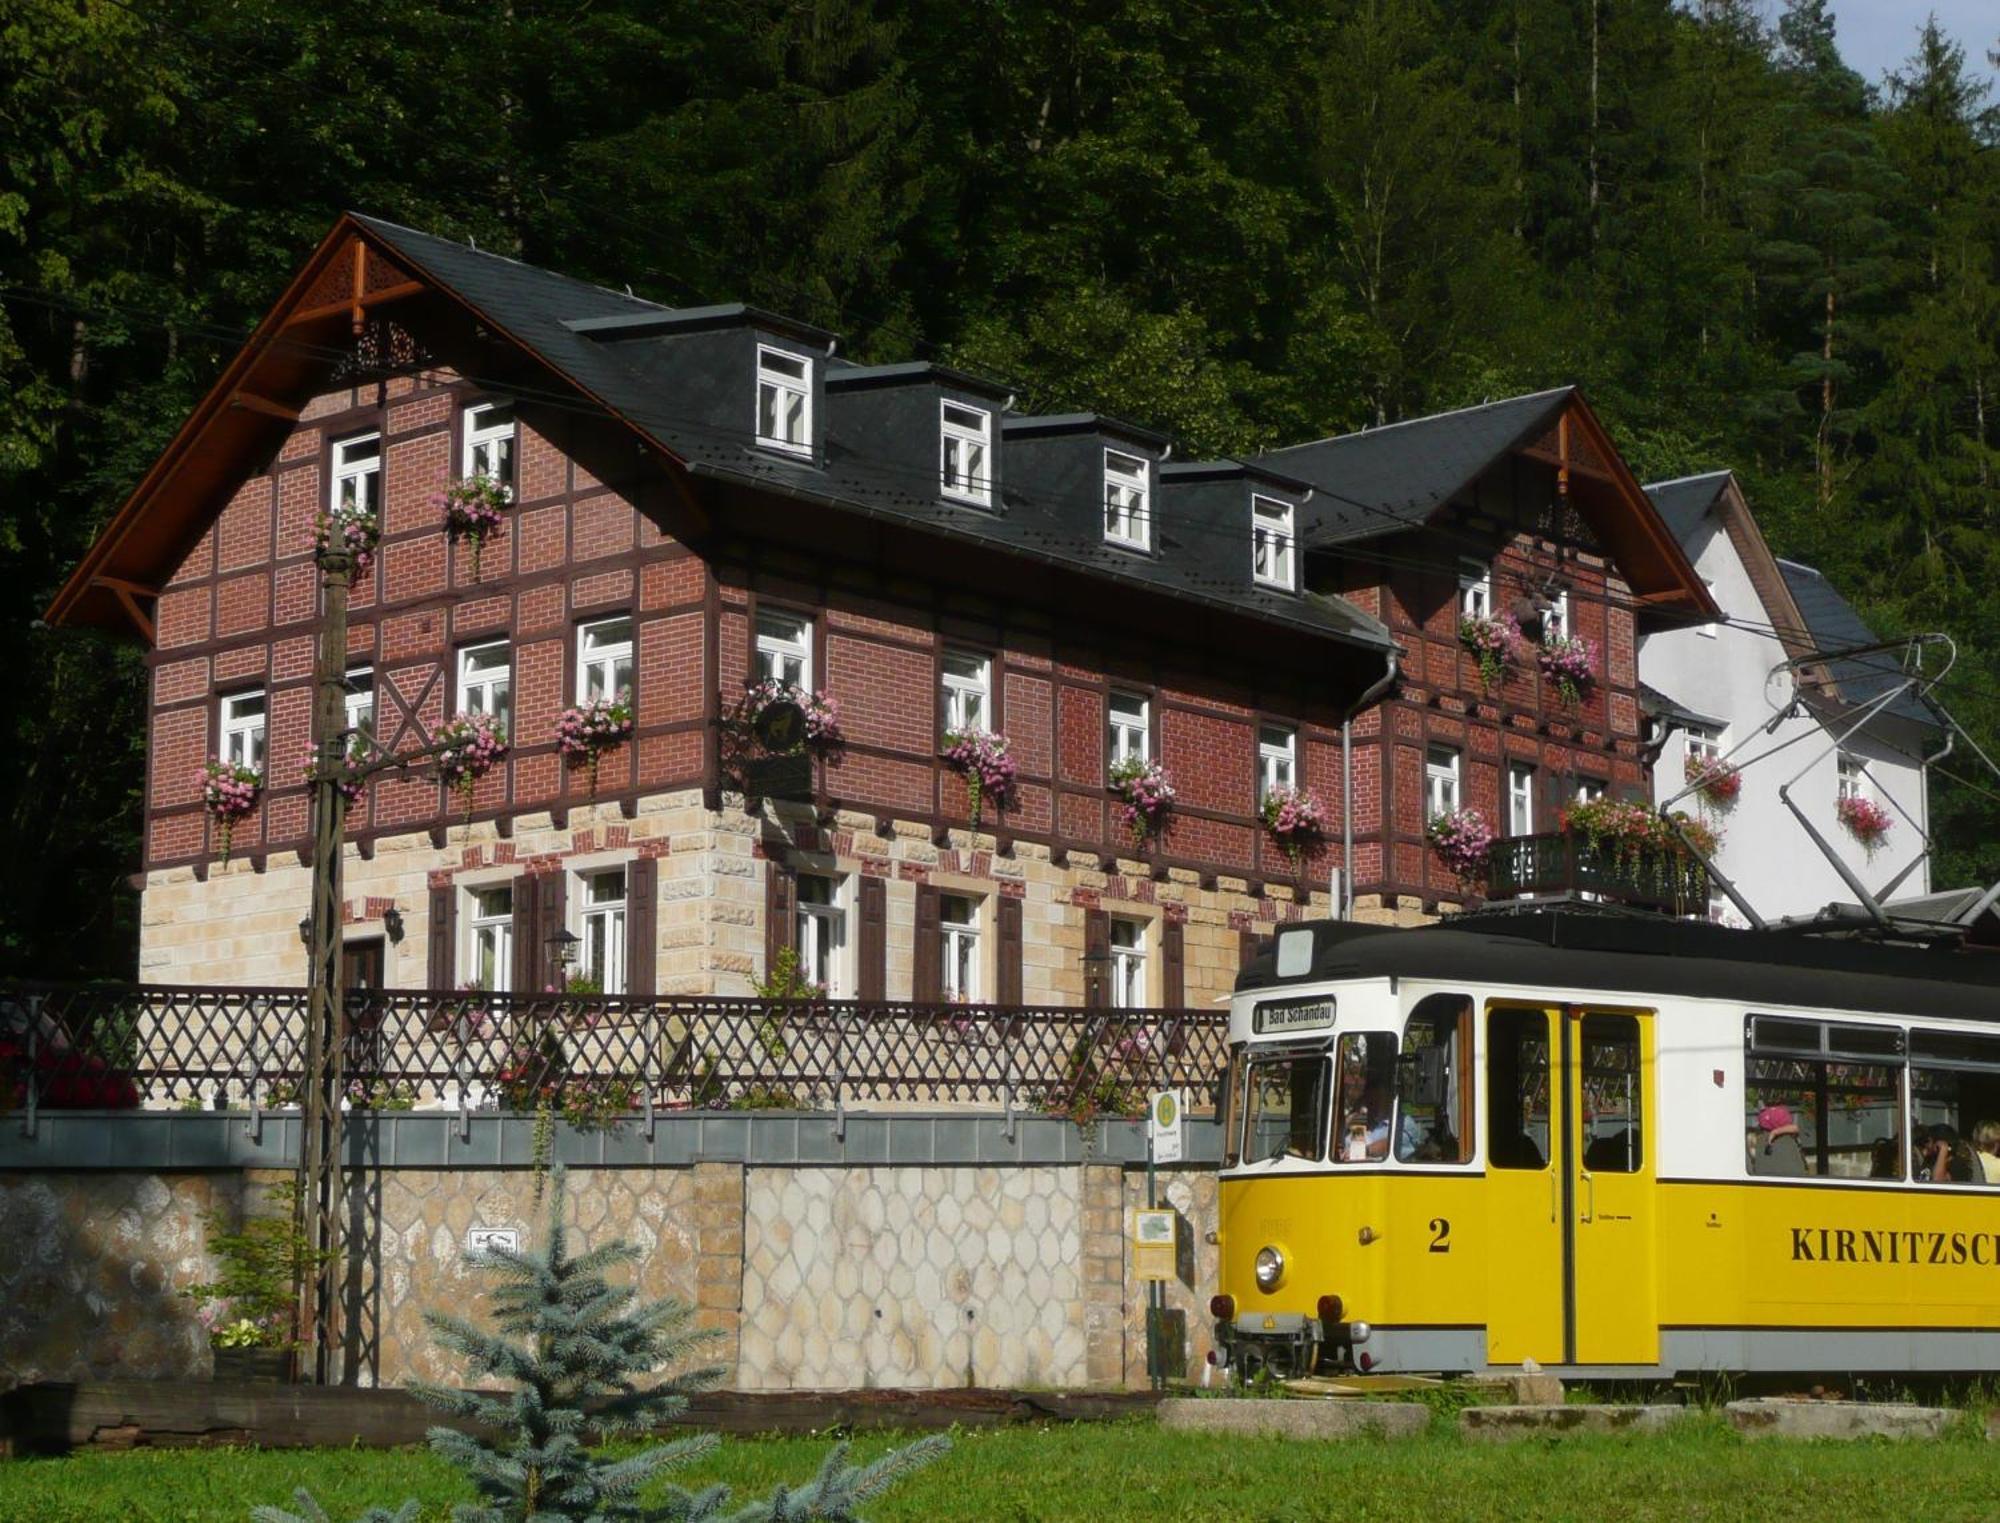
1569,1146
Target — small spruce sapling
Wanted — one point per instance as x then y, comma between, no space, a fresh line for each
574,1348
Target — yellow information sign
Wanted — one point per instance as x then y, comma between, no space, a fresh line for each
1155,1244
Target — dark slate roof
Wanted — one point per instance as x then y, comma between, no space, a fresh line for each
1685,502
555,316
1832,624
1384,480
1658,705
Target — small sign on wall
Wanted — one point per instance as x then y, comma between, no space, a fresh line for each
1164,1116
479,1239
1155,1244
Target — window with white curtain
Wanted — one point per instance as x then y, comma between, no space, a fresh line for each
1126,494
1271,542
486,680
243,729
1520,799
1130,728
965,446
958,926
784,400
1475,589
604,660
968,691
602,954
489,442
1440,781
821,934
357,472
489,937
357,701
1277,759
784,649
1128,963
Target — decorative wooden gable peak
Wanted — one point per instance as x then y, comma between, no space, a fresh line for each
356,278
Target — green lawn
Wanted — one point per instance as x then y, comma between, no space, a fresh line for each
1134,1471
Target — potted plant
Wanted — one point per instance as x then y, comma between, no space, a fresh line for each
1715,783
1570,662
1462,839
1296,821
248,1307
1496,643
1864,819
989,771
229,791
473,745
1147,794
352,527
586,732
820,712
473,509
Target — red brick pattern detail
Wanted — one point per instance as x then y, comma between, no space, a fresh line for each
243,533
541,610
539,688
481,616
877,780
413,568
412,634
541,471
603,593
417,471
299,504
295,593
1215,841
178,681
734,633
182,617
244,661
288,736
542,533
199,563
242,604
667,761
602,526
1212,761
1025,715
884,694
325,405
668,584
1082,817
179,747
176,837
427,411
1080,736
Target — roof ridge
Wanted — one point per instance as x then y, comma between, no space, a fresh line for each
519,264
1675,481
1429,417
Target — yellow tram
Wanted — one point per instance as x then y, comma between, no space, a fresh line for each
1616,1149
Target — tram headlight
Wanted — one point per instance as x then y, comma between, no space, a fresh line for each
1270,1267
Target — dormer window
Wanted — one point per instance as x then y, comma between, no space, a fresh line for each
966,435
1271,542
489,442
1125,499
1475,590
784,400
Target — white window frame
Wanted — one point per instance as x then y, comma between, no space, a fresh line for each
356,481
357,703
1475,590
1277,759
1128,730
1708,628
1558,623
966,696
1590,789
958,950
1271,542
492,931
965,452
779,383
784,640
500,438
490,691
1850,776
1442,790
1702,742
819,933
1128,962
1127,499
605,922
597,665
241,730
1520,798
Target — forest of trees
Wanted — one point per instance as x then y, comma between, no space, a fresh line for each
1244,221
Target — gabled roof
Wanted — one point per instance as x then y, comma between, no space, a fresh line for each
1832,624
1394,477
612,347
1685,502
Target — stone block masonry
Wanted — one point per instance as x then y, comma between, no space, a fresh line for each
891,1251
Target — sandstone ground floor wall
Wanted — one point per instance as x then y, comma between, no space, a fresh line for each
908,1252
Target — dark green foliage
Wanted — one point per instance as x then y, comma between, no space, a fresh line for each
1241,222
577,1356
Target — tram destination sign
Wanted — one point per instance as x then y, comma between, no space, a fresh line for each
1277,1016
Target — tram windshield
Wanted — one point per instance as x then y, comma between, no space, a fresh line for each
1284,1106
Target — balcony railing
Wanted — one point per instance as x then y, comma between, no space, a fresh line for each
1649,878
164,1046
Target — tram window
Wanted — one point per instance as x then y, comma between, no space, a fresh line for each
1365,1076
1955,1085
1613,1138
1517,1089
1823,1100
1232,1106
1284,1107
1431,1092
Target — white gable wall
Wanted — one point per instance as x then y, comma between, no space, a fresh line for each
1721,676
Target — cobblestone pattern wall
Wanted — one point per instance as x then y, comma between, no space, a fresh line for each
810,1278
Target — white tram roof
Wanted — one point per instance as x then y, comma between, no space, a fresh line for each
1564,949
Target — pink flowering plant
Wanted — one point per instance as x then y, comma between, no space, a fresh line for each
351,786
989,771
1495,643
473,509
1570,662
352,527
471,745
1715,783
229,792
1462,839
1864,819
1148,795
822,713
586,732
1296,821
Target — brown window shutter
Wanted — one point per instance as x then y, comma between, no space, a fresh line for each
1097,959
871,981
780,901
526,959
642,919
927,959
438,974
549,918
1173,965
1007,988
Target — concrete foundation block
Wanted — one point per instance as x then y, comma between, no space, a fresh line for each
1536,1389
1770,1418
1500,1425
1295,1419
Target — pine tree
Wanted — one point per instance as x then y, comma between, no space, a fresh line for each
575,1349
